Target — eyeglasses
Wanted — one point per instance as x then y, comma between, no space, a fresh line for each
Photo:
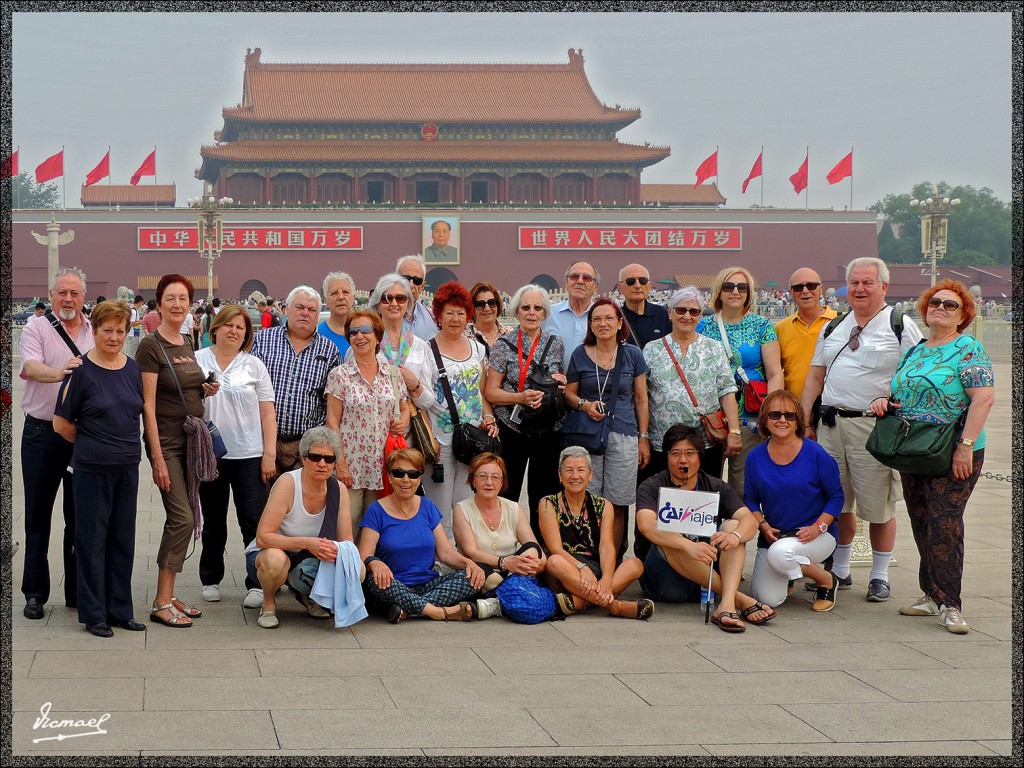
534,307
947,304
316,458
799,287
398,474
575,277
492,478
604,320
729,287
854,341
787,415
414,279
691,311
391,298
481,303
366,330
635,280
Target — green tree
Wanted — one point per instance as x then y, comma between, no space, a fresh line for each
25,193
979,225
969,257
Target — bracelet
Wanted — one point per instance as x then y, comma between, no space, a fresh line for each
501,563
581,403
738,537
486,416
371,559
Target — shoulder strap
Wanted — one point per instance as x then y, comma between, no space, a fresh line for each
329,526
629,326
620,353
681,374
728,349
834,322
896,323
393,372
442,374
547,346
177,383
62,332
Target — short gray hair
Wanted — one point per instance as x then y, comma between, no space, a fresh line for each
318,436
517,298
64,272
687,293
575,452
304,290
411,257
597,275
334,276
385,282
869,261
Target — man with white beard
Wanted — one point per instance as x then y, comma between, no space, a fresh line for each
46,358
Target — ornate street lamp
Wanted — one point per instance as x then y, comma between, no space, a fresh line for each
934,230
211,230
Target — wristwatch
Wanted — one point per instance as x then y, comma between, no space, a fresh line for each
580,566
581,403
644,435
821,526
735,431
967,441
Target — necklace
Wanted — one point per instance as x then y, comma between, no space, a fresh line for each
492,532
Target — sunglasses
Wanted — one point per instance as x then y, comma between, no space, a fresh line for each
398,474
534,307
481,303
635,280
390,298
947,304
729,287
691,311
366,330
799,287
415,280
316,458
854,341
787,415
575,277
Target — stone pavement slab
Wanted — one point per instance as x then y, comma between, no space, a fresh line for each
484,691
264,693
908,721
941,750
949,685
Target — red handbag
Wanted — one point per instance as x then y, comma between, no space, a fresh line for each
754,394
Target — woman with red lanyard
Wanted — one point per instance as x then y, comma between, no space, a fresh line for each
527,418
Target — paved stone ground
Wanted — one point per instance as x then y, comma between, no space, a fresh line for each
860,680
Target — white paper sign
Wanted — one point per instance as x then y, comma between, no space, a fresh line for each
688,512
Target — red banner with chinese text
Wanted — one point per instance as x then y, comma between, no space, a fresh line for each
286,238
688,238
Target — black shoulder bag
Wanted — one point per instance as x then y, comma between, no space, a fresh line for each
468,441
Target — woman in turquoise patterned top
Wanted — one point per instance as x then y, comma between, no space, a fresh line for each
753,347
938,380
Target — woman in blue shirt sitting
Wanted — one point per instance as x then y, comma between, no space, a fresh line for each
792,486
400,536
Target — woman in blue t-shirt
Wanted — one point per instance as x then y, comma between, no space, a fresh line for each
98,410
793,488
400,535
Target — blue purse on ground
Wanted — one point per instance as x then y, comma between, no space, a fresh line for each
524,600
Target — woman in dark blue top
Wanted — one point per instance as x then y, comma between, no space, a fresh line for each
98,410
399,537
792,486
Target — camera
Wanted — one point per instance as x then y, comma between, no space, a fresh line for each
437,474
516,417
212,378
600,406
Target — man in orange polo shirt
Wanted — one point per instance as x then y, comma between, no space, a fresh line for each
798,332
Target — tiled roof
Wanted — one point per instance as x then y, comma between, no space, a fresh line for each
681,194
704,282
128,194
422,93
424,152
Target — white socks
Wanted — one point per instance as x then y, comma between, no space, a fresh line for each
880,565
841,560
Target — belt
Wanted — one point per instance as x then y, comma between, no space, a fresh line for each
34,420
289,437
849,414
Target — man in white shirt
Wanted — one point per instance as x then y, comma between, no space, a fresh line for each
568,319
851,367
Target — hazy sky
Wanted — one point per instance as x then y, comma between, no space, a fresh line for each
918,96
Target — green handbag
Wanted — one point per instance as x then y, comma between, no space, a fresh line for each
915,447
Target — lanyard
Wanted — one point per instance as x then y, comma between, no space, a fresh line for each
524,368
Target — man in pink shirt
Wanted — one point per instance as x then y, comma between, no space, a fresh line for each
45,360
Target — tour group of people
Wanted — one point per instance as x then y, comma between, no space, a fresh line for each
376,459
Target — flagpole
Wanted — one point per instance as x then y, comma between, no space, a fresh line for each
851,178
110,189
154,177
63,178
762,175
18,188
807,183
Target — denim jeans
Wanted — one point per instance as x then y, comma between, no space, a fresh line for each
45,457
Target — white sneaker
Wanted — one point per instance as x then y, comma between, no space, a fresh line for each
924,606
253,599
211,593
487,607
951,619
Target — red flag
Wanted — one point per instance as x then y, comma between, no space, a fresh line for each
843,169
707,169
51,168
799,179
754,172
148,168
101,171
10,165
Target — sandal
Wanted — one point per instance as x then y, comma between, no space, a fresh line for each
825,597
185,609
396,614
755,608
566,604
464,612
717,620
644,609
177,619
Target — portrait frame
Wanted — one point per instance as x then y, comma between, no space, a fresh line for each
430,254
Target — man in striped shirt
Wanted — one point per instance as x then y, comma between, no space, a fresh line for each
298,359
